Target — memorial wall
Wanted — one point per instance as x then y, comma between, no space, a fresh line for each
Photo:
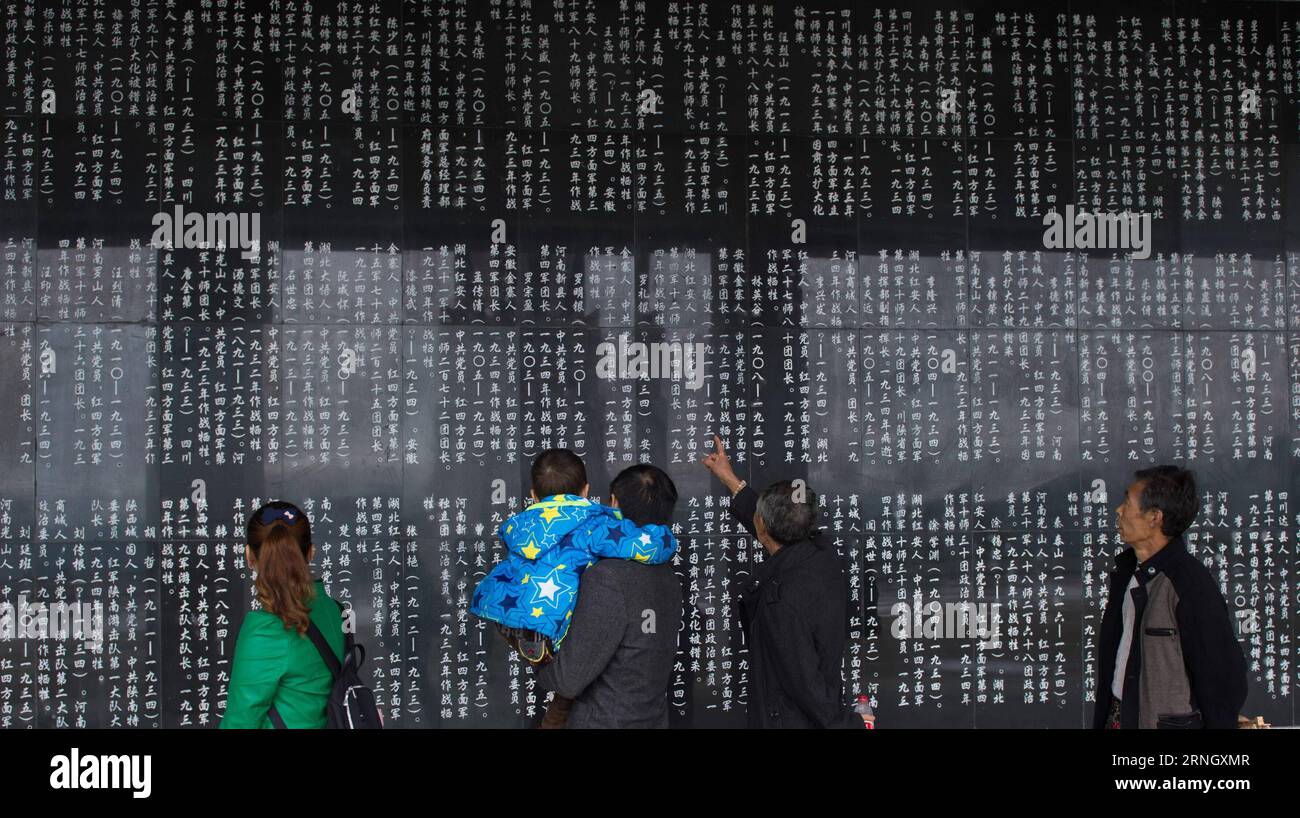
372,258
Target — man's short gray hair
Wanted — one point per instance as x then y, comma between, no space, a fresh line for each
789,517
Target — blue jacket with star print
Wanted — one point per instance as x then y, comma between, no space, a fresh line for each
549,545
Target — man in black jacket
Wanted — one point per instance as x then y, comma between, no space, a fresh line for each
1167,655
794,609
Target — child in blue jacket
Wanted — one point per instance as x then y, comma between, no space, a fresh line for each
532,592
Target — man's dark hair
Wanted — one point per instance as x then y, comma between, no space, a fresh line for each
1172,490
789,519
558,471
645,493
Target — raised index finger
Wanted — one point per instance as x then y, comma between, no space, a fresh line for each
717,445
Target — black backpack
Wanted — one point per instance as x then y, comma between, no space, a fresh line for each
351,704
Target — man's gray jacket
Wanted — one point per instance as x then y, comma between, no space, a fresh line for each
617,658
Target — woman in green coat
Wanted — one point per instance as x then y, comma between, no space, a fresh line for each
275,662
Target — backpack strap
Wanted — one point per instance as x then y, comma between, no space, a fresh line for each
277,721
326,653
324,649
323,645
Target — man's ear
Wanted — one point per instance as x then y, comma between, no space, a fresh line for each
613,500
1159,521
585,488
532,494
760,529
248,557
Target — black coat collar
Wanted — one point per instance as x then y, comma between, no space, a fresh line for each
1126,563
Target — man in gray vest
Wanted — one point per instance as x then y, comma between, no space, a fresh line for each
1167,654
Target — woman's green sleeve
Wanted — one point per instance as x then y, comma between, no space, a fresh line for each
255,672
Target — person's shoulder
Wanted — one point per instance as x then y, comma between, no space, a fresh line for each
259,620
1192,579
520,516
608,570
820,567
1193,583
614,570
819,558
634,582
325,603
261,627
